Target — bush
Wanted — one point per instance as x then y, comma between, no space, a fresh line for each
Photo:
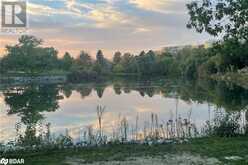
226,125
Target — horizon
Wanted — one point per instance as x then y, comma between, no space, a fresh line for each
109,25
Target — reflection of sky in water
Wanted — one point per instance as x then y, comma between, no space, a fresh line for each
77,112
7,123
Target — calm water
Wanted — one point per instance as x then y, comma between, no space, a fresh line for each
70,108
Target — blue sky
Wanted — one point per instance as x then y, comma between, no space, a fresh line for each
110,25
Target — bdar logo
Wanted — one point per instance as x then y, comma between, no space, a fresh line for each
14,14
4,161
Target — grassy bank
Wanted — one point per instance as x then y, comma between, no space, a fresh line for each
219,148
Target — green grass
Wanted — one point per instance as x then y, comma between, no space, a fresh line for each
211,147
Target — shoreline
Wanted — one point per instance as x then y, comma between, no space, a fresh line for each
43,79
223,150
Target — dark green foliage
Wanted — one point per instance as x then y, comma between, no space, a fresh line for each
117,58
145,64
67,61
84,60
27,56
191,61
102,66
79,75
225,125
228,17
29,103
232,55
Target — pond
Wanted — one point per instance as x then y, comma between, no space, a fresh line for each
117,109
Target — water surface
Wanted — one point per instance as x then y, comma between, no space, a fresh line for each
71,108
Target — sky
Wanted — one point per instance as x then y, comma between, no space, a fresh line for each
109,25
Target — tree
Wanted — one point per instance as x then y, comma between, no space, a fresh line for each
118,68
27,41
146,63
67,61
151,62
100,58
117,58
228,17
28,56
102,65
165,65
85,60
126,59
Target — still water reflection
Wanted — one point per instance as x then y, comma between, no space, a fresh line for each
69,108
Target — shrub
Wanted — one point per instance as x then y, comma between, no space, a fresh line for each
225,125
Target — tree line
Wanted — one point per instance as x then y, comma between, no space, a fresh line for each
28,56
227,18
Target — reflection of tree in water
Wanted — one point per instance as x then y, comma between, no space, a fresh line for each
29,102
233,98
150,91
100,91
227,96
84,91
117,88
67,90
127,90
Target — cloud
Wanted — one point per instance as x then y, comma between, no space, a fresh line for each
43,10
98,15
106,16
161,6
141,30
110,25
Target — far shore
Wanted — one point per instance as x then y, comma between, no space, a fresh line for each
29,78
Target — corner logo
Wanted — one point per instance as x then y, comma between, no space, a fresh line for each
4,161
14,14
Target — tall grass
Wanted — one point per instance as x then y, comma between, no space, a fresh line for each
152,131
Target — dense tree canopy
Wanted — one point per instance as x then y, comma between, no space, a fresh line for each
67,61
228,17
117,58
28,56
